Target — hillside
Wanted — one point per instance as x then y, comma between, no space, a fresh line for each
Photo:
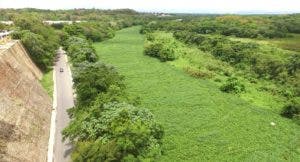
25,107
201,123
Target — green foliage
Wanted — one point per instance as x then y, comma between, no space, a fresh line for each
91,79
289,43
80,50
233,85
103,126
293,64
292,110
260,60
125,129
160,51
90,30
4,27
47,82
37,47
40,41
228,25
119,130
201,122
197,73
160,47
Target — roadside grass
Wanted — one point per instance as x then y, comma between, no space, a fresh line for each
201,123
47,82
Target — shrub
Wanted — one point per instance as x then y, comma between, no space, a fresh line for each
80,50
40,40
197,73
90,79
159,50
293,64
292,110
119,131
37,48
232,85
94,31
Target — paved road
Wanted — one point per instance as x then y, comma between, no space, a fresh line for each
65,101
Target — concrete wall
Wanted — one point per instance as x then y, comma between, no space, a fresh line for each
25,107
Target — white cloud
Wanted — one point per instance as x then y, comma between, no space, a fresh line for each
227,6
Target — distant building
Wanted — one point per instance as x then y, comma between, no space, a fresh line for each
162,15
178,20
50,22
7,22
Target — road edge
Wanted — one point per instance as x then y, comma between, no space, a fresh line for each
70,72
53,121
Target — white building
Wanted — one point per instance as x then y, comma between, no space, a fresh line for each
7,22
50,22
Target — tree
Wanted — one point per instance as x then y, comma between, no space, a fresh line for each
37,48
40,40
120,131
80,50
91,79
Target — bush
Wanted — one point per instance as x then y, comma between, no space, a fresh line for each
119,131
80,50
94,31
159,50
40,40
197,73
161,46
91,79
232,85
38,49
291,110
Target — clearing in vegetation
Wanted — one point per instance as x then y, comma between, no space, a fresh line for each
201,123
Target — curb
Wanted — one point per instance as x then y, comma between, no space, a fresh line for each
50,156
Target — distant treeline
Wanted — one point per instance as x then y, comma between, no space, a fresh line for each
72,14
255,61
274,26
42,40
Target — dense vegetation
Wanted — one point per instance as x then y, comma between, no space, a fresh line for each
252,61
41,41
245,73
105,126
265,62
91,30
232,25
160,48
80,50
201,122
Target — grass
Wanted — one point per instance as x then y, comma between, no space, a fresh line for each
201,123
291,43
47,82
198,63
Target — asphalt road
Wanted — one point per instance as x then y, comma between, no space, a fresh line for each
65,101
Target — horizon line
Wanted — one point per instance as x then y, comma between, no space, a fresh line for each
169,11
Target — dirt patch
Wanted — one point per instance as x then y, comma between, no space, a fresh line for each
25,108
7,134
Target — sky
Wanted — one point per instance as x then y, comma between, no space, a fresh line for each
179,6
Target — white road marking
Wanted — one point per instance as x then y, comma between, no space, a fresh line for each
53,118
